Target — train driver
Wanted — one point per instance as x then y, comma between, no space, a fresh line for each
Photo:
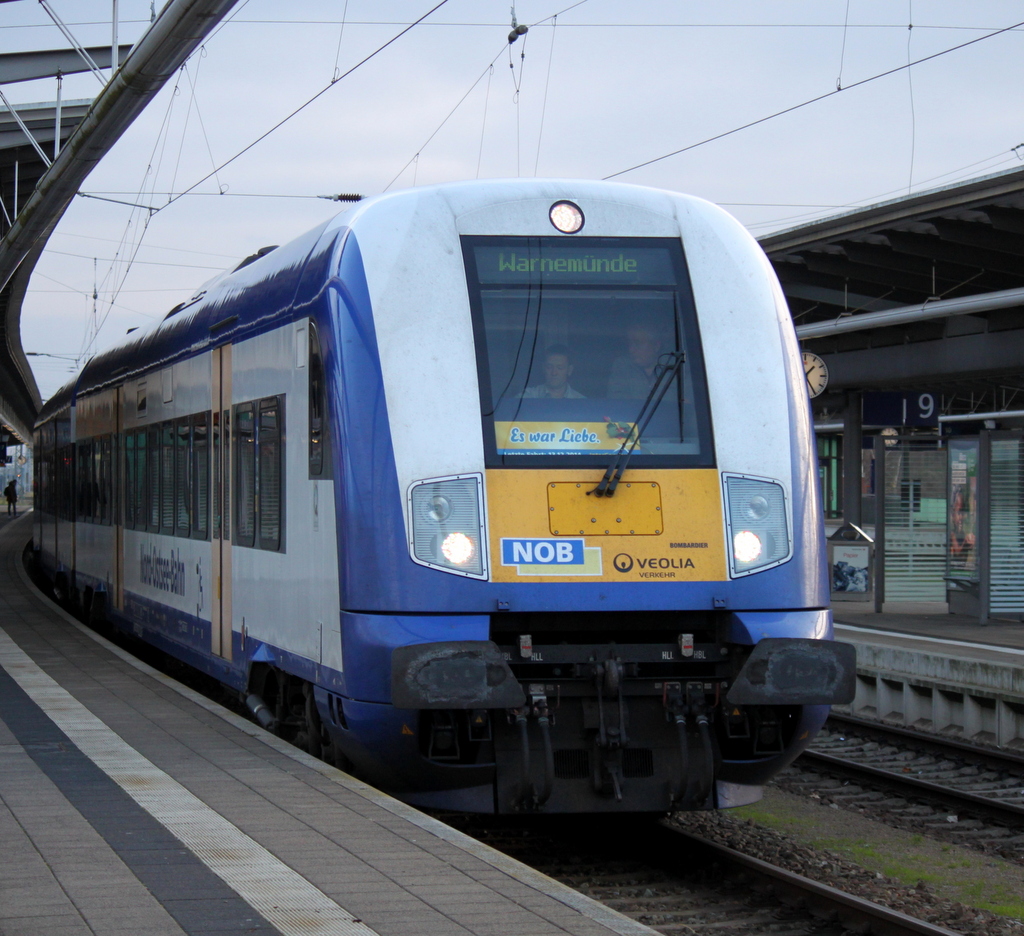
557,371
633,375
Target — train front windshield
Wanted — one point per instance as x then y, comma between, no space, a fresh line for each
571,337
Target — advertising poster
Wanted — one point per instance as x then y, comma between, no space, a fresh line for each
850,565
962,559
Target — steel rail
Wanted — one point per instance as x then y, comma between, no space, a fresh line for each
990,806
855,913
990,756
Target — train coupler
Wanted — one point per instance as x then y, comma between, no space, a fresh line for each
529,796
688,708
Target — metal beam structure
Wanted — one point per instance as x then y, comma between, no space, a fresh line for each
921,292
30,66
179,29
940,308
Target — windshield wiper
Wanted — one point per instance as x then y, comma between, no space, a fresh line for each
667,368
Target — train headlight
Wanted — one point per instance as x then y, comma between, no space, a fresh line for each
439,508
457,548
566,217
746,547
758,507
758,525
446,529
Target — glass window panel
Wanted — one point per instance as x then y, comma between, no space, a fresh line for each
226,474
245,475
143,460
85,481
182,493
97,483
270,473
130,491
200,476
317,407
167,477
106,480
573,337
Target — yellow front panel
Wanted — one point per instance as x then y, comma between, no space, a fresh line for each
634,509
687,545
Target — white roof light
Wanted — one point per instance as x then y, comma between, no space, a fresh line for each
566,217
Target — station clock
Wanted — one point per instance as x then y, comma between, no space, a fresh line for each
815,374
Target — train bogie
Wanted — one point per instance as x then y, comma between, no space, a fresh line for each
501,495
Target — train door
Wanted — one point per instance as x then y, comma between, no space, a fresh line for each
118,489
220,533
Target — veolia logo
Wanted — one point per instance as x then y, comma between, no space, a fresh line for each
623,562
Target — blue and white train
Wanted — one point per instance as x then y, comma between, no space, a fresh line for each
501,495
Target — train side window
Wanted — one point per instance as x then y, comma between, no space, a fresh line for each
97,482
182,491
167,477
105,463
245,475
85,481
200,476
270,486
153,483
319,443
225,487
130,490
141,501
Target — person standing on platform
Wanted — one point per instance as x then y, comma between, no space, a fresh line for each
11,493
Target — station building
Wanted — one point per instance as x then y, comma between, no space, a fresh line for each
910,315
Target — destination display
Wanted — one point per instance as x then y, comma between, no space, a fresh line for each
551,260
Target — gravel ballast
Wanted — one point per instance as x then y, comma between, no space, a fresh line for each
956,887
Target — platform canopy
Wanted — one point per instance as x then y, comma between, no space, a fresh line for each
922,293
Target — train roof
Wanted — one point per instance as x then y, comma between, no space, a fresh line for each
223,308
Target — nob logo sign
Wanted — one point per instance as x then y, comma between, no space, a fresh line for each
542,552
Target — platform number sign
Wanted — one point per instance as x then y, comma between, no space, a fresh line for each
916,408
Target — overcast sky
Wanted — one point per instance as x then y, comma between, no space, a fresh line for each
604,87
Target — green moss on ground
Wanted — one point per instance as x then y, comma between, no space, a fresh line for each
950,871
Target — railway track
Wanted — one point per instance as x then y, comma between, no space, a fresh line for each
677,882
941,784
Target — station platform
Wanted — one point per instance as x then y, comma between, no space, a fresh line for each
930,620
129,804
922,668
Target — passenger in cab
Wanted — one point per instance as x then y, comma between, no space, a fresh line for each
633,376
557,371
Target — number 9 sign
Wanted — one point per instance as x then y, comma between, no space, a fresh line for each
922,409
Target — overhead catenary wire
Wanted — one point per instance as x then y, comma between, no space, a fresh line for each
910,86
814,100
517,31
547,84
341,36
133,246
956,174
306,104
483,123
842,52
415,157
152,211
194,102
